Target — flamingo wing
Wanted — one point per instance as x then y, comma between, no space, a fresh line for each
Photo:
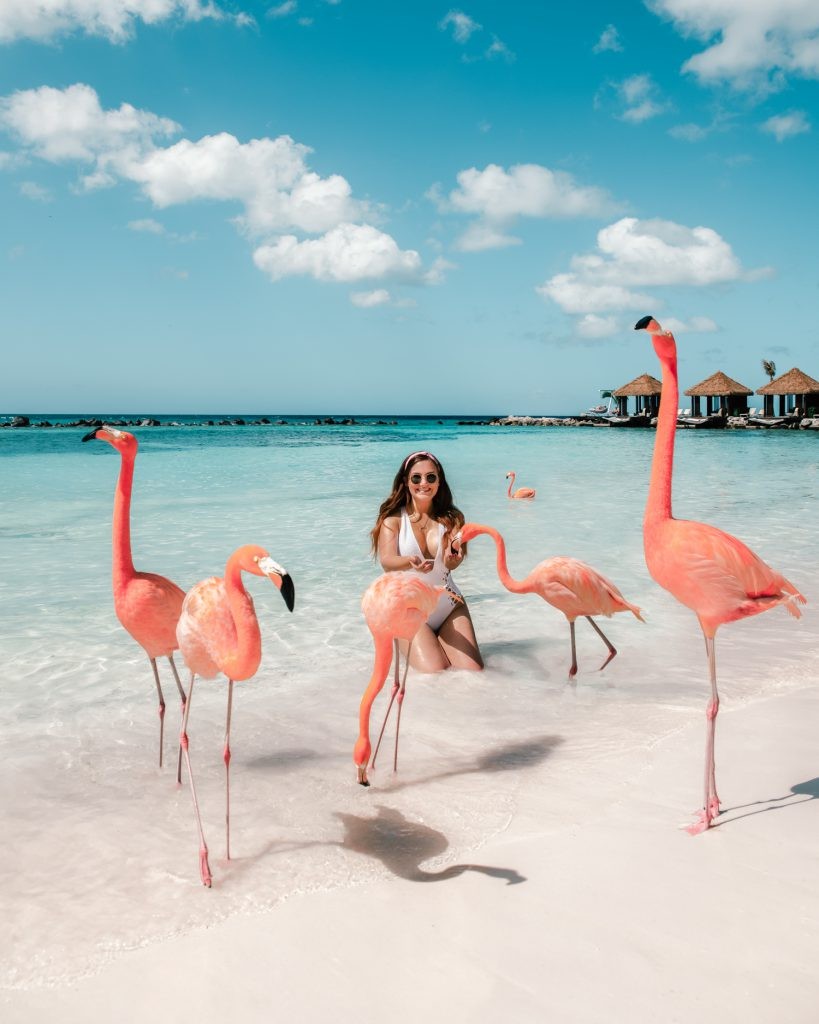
206,631
717,575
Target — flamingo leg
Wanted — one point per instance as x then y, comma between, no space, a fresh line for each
606,641
395,686
161,709
401,694
184,700
573,669
711,807
204,867
226,759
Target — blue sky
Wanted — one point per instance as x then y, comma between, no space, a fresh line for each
364,207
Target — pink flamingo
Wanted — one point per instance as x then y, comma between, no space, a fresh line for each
567,584
218,632
521,492
707,570
147,605
395,606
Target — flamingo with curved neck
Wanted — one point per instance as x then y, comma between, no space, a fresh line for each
395,607
147,605
567,584
521,492
218,632
709,571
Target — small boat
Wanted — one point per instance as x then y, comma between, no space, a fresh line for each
604,409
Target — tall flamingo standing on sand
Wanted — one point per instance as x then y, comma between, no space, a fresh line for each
395,606
218,632
707,570
567,584
521,492
147,605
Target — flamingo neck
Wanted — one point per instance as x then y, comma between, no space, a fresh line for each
658,506
123,566
511,484
515,586
383,660
244,660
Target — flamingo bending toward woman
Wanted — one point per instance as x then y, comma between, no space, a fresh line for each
567,584
218,632
147,605
521,492
709,571
395,606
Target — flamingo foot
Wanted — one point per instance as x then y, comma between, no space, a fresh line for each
702,824
611,655
362,775
714,806
572,671
204,867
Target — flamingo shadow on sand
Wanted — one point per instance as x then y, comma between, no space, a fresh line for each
402,846
805,791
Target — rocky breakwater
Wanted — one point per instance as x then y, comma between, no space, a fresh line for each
540,421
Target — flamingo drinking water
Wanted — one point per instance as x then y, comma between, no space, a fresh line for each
571,586
218,632
707,570
395,606
147,605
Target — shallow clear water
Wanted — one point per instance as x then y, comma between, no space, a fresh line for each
101,844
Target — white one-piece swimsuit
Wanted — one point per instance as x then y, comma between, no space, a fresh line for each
438,576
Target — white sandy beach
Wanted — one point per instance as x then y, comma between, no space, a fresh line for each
618,914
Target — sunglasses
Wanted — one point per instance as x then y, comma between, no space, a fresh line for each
416,478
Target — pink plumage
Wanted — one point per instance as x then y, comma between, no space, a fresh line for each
567,584
709,571
395,607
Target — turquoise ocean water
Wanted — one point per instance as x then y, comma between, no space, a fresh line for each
103,851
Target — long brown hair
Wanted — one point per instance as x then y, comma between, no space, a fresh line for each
443,508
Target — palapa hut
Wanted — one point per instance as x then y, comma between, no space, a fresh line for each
646,389
721,394
804,389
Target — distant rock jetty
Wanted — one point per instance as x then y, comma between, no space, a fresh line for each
731,423
238,421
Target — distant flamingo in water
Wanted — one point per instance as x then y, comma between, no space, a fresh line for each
707,570
218,632
521,492
147,605
395,606
567,584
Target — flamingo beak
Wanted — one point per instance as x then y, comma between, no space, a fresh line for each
281,578
103,433
645,324
91,434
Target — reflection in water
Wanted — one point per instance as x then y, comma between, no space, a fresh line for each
403,845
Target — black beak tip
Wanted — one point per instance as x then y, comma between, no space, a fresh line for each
642,324
91,434
288,592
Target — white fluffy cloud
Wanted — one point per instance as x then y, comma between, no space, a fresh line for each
367,300
44,20
694,325
498,197
609,40
784,126
462,25
634,255
350,252
640,99
749,43
268,179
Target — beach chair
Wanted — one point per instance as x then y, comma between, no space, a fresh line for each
686,412
752,412
679,412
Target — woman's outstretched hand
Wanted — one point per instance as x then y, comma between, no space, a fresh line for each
453,555
421,564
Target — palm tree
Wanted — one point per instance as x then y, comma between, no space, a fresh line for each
769,366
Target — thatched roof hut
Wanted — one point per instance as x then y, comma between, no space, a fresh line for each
720,392
797,383
646,389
